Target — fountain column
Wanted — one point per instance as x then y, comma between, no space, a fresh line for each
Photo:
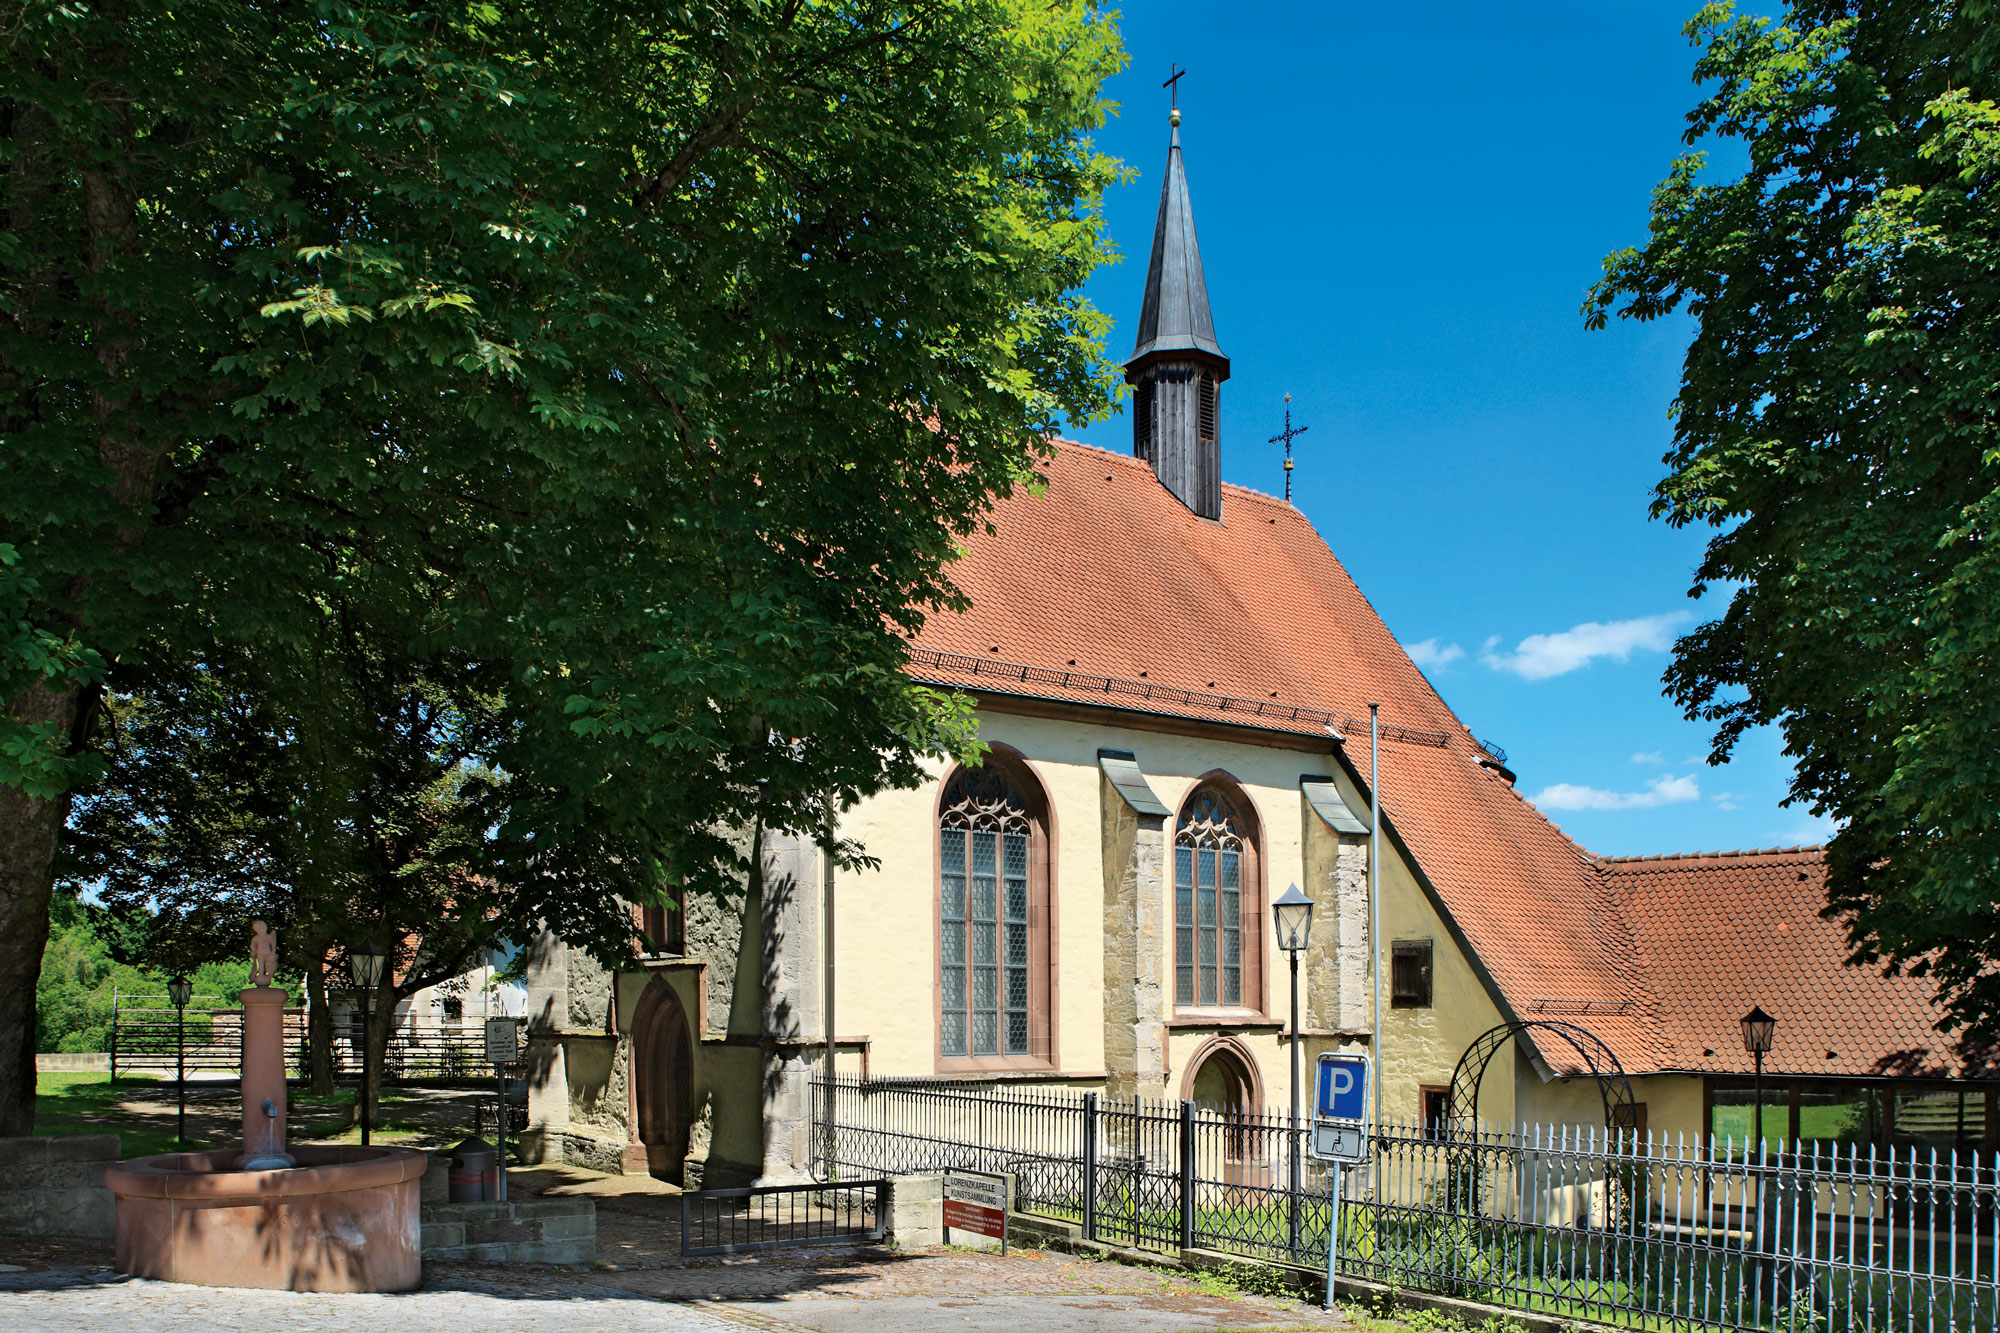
263,1079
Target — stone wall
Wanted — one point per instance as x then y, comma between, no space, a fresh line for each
517,1231
1135,947
64,1062
739,984
55,1186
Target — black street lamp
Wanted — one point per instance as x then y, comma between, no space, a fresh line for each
364,963
1292,914
180,990
1758,1030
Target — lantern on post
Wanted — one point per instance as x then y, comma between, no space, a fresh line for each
1759,1029
1292,914
365,960
180,990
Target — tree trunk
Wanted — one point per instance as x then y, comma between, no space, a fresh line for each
319,1027
380,1024
30,825
28,830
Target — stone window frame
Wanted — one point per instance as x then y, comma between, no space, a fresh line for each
1421,992
661,930
1253,947
1042,1056
1433,1109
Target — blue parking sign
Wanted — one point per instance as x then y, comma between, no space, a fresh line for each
1342,1088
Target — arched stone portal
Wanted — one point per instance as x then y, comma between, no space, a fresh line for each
663,1080
1222,1079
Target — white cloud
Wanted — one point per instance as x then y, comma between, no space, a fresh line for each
1649,757
1727,800
1540,656
1431,656
1815,828
1663,790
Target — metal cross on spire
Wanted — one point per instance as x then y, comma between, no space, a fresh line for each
1174,82
1286,436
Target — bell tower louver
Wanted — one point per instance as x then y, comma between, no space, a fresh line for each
1176,368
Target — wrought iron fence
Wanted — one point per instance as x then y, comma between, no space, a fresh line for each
779,1217
148,1038
1618,1227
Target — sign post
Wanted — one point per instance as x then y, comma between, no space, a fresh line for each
1340,1136
503,1048
976,1201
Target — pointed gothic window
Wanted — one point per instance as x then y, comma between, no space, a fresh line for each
993,983
1217,913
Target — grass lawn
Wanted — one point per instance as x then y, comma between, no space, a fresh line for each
87,1103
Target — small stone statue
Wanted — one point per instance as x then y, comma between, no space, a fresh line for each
263,954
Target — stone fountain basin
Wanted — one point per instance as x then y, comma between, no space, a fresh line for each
343,1219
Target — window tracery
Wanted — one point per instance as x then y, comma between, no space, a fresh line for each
1209,854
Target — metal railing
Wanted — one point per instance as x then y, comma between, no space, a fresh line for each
1617,1227
780,1217
146,1038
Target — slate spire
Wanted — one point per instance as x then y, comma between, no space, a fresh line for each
1175,316
1177,367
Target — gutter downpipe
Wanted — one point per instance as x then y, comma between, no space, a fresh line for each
826,861
1375,897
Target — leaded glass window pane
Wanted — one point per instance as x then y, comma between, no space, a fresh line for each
1183,925
984,957
1229,920
951,945
1208,904
1014,997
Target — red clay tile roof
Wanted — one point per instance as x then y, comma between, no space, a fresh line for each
1721,932
1105,589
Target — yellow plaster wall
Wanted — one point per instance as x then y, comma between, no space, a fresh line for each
1421,1047
885,942
1672,1101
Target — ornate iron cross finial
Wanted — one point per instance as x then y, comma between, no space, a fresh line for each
1286,436
1174,82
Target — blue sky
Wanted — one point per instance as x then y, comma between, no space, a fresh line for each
1400,211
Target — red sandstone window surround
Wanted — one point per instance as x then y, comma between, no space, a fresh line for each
993,920
663,929
1218,904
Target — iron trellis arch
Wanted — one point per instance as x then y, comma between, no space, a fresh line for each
1462,1105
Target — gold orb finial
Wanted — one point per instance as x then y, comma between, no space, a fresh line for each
1174,118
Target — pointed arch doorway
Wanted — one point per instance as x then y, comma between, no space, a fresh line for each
663,1080
1221,1080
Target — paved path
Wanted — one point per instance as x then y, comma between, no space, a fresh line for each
65,1286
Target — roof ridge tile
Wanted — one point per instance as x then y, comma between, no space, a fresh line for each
1803,849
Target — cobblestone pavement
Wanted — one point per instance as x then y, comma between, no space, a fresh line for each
65,1286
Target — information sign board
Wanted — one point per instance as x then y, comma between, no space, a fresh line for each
976,1201
1341,1089
503,1041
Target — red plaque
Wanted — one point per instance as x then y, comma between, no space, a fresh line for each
976,1218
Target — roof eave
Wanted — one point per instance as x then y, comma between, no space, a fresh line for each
1158,350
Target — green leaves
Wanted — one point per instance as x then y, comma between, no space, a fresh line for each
647,360
1838,425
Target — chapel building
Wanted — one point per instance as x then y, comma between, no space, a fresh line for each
1173,675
